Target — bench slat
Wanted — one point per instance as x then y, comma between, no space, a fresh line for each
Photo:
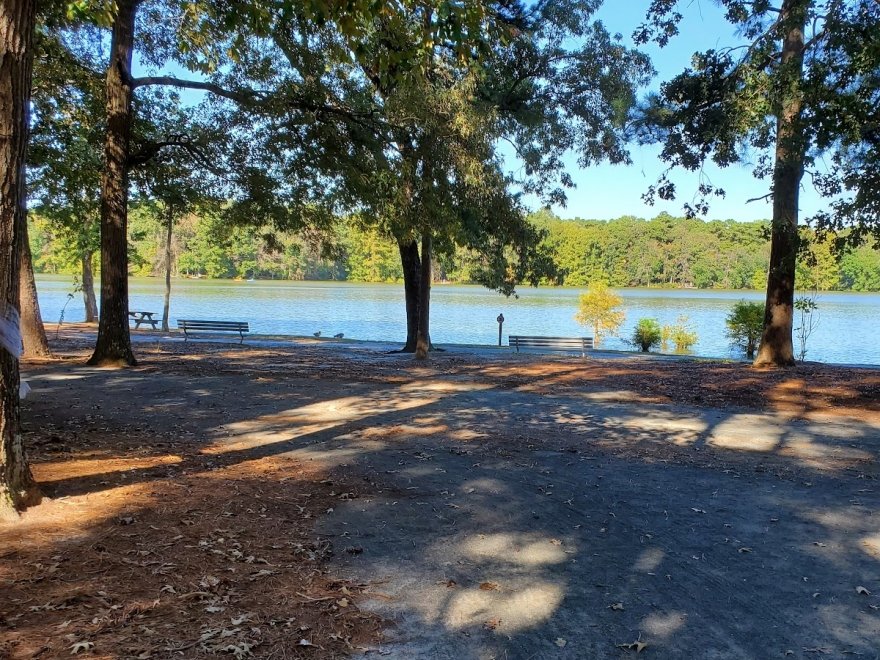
581,344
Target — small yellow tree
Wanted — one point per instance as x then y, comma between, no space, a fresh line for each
599,308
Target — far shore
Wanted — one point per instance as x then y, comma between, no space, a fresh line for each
399,283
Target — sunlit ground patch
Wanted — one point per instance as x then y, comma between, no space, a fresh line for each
70,469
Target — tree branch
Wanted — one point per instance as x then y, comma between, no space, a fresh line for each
152,149
239,96
250,97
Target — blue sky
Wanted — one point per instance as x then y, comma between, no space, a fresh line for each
612,191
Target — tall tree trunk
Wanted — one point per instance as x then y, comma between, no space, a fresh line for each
776,343
33,334
169,227
88,287
409,258
114,340
17,486
423,336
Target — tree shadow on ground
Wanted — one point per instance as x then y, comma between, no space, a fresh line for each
497,521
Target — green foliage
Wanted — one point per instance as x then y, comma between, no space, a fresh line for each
683,252
681,334
759,280
599,309
371,257
647,334
64,153
744,325
860,269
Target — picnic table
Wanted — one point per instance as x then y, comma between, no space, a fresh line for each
144,317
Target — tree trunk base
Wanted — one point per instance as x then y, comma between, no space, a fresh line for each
18,490
770,362
112,362
115,354
11,505
408,348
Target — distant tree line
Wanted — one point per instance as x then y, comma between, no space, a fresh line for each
691,253
626,252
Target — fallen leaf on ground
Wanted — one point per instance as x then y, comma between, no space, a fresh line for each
616,606
861,591
488,586
638,646
81,646
560,642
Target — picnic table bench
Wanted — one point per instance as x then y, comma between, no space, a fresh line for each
582,344
144,317
189,325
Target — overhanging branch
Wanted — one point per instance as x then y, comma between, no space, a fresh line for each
251,97
239,96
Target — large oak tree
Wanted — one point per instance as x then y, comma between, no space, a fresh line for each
207,38
560,84
799,95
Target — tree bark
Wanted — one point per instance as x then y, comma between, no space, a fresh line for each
17,486
33,334
409,258
114,340
776,347
169,227
423,335
88,287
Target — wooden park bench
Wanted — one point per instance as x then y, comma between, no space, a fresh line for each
582,344
144,317
190,325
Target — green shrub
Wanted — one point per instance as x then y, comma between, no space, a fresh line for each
681,335
647,334
744,326
807,312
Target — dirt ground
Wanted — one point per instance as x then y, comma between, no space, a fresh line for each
313,500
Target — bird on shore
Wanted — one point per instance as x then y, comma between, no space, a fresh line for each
338,336
317,334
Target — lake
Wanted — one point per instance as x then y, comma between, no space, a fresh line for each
466,314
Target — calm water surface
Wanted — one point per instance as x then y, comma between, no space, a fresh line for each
466,314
